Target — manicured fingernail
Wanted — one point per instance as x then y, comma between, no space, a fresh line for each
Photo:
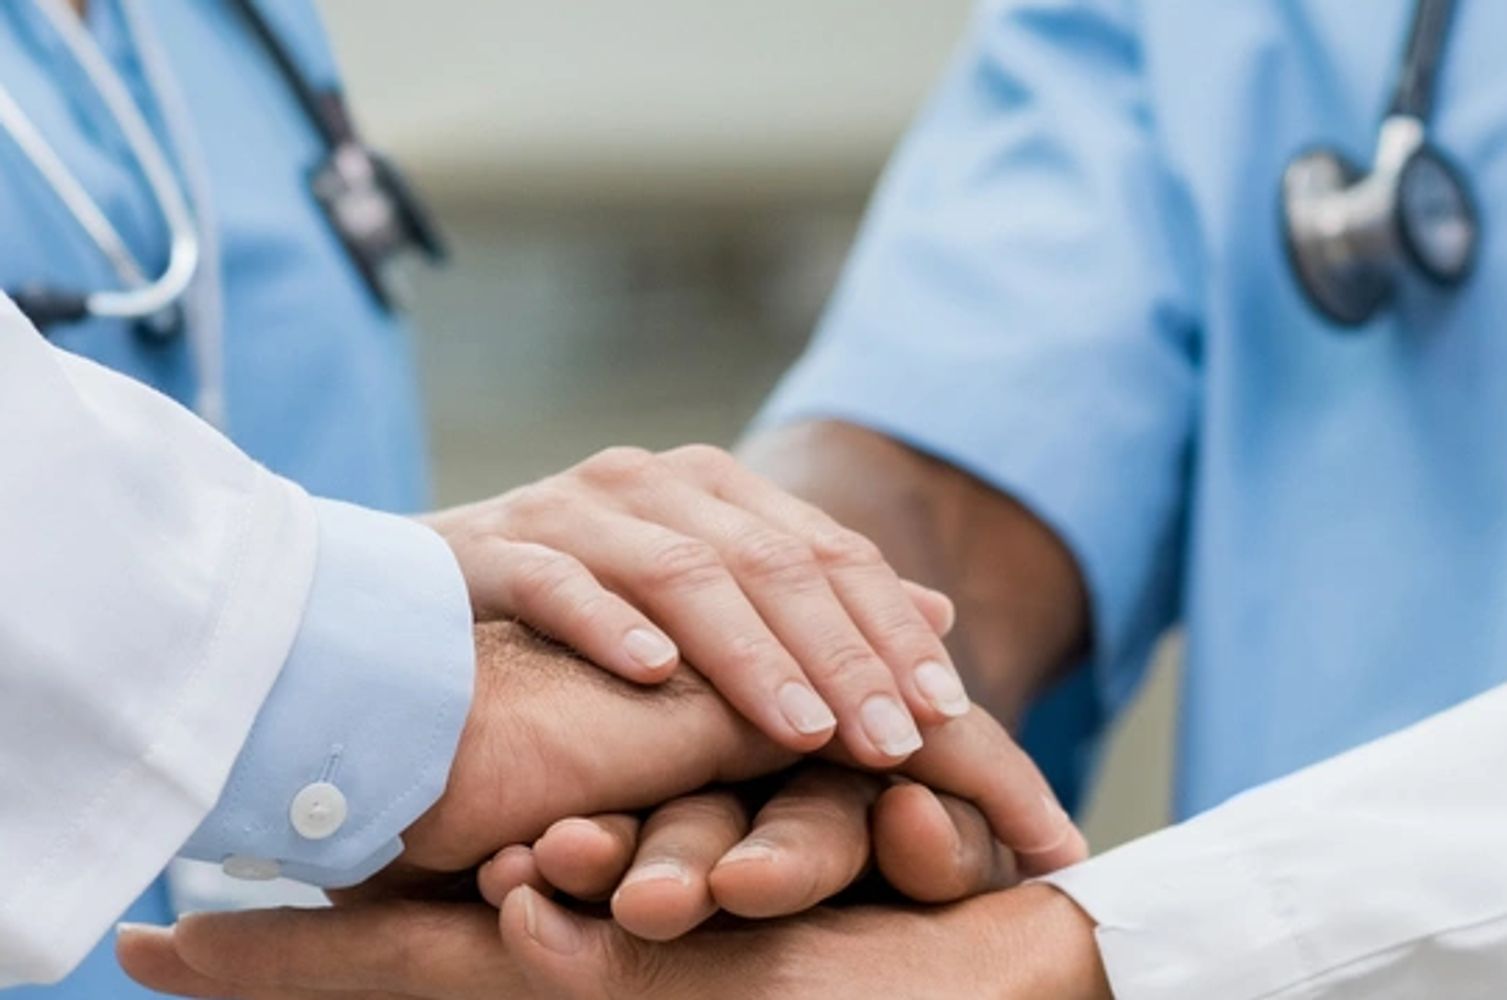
649,649
656,871
804,710
889,726
552,928
749,850
940,685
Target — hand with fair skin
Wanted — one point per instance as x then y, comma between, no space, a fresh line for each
1023,944
1022,602
636,559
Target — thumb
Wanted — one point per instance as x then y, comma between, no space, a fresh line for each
149,956
562,954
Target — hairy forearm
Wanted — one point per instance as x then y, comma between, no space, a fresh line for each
1022,605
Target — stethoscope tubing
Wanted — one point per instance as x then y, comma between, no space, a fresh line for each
149,297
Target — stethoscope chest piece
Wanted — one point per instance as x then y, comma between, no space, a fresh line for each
1329,262
1437,223
1353,235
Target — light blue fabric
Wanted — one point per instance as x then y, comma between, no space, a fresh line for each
1073,284
320,379
320,388
372,699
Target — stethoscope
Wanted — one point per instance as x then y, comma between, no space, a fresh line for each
1353,236
373,212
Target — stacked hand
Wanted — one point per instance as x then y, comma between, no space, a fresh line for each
799,623
574,782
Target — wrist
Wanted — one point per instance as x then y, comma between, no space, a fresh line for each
495,764
1043,945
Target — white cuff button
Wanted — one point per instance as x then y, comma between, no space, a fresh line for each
319,810
247,869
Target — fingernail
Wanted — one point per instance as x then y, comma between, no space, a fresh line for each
804,710
749,850
941,686
657,871
649,649
890,726
511,852
127,927
1060,821
552,928
952,612
578,824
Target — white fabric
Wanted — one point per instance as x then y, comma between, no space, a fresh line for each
1379,874
152,579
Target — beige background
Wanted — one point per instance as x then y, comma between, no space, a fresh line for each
649,203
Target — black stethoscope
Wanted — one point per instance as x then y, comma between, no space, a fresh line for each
1352,236
371,209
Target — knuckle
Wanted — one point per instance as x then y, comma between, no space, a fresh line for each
619,466
704,458
850,664
843,548
531,505
747,653
897,625
635,968
542,573
698,811
590,613
684,563
773,556
816,812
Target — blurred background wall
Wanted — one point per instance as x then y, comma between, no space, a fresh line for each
649,203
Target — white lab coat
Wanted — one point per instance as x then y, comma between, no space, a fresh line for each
152,579
1380,874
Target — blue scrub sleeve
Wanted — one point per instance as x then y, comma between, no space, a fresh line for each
370,702
1022,304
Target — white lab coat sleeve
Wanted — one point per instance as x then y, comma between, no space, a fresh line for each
1380,874
153,582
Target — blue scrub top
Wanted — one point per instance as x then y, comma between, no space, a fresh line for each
1073,284
319,381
